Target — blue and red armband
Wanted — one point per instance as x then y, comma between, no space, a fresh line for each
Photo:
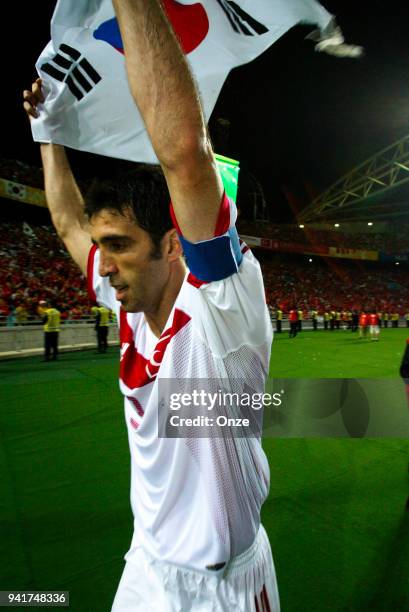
214,259
219,257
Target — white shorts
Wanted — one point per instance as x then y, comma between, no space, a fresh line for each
374,329
248,584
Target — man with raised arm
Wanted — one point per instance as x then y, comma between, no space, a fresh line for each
198,543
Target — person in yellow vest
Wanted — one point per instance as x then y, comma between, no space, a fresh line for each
395,319
52,319
300,319
279,320
102,319
337,319
314,317
326,319
407,319
95,314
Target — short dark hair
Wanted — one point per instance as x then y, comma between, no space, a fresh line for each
142,191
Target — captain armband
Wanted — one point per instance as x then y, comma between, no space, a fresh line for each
214,259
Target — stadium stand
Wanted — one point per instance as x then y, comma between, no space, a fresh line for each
392,241
326,283
35,266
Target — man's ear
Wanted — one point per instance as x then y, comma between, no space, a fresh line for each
173,248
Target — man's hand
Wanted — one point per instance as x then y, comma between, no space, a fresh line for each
63,196
32,99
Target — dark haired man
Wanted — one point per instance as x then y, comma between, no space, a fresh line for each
198,543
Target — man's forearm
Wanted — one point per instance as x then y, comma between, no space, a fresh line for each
160,81
65,203
63,196
165,93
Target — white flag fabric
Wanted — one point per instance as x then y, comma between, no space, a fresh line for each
88,104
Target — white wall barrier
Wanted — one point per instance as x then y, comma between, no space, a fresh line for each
20,341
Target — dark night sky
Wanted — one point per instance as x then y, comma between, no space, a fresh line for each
297,118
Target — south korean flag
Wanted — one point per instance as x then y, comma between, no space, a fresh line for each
88,104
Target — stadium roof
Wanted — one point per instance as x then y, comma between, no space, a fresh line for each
377,188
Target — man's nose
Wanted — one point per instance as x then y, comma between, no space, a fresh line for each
107,265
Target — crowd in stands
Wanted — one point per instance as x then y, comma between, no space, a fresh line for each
34,266
393,242
332,284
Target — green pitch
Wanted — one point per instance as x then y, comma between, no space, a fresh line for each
335,514
337,354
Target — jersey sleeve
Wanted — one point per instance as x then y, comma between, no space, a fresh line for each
220,256
225,289
232,313
99,288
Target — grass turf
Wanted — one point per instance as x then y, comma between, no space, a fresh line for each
337,354
335,514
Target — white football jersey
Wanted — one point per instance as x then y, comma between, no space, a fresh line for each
196,500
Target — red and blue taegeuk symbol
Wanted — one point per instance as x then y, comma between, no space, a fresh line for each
190,23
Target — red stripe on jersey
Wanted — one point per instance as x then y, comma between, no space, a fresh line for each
243,247
137,405
132,364
193,280
134,424
135,370
125,331
174,220
223,220
90,273
264,599
256,603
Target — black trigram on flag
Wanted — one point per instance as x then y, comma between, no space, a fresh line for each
240,21
77,73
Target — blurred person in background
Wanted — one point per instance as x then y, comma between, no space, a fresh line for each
52,320
363,324
102,319
374,326
293,320
21,314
